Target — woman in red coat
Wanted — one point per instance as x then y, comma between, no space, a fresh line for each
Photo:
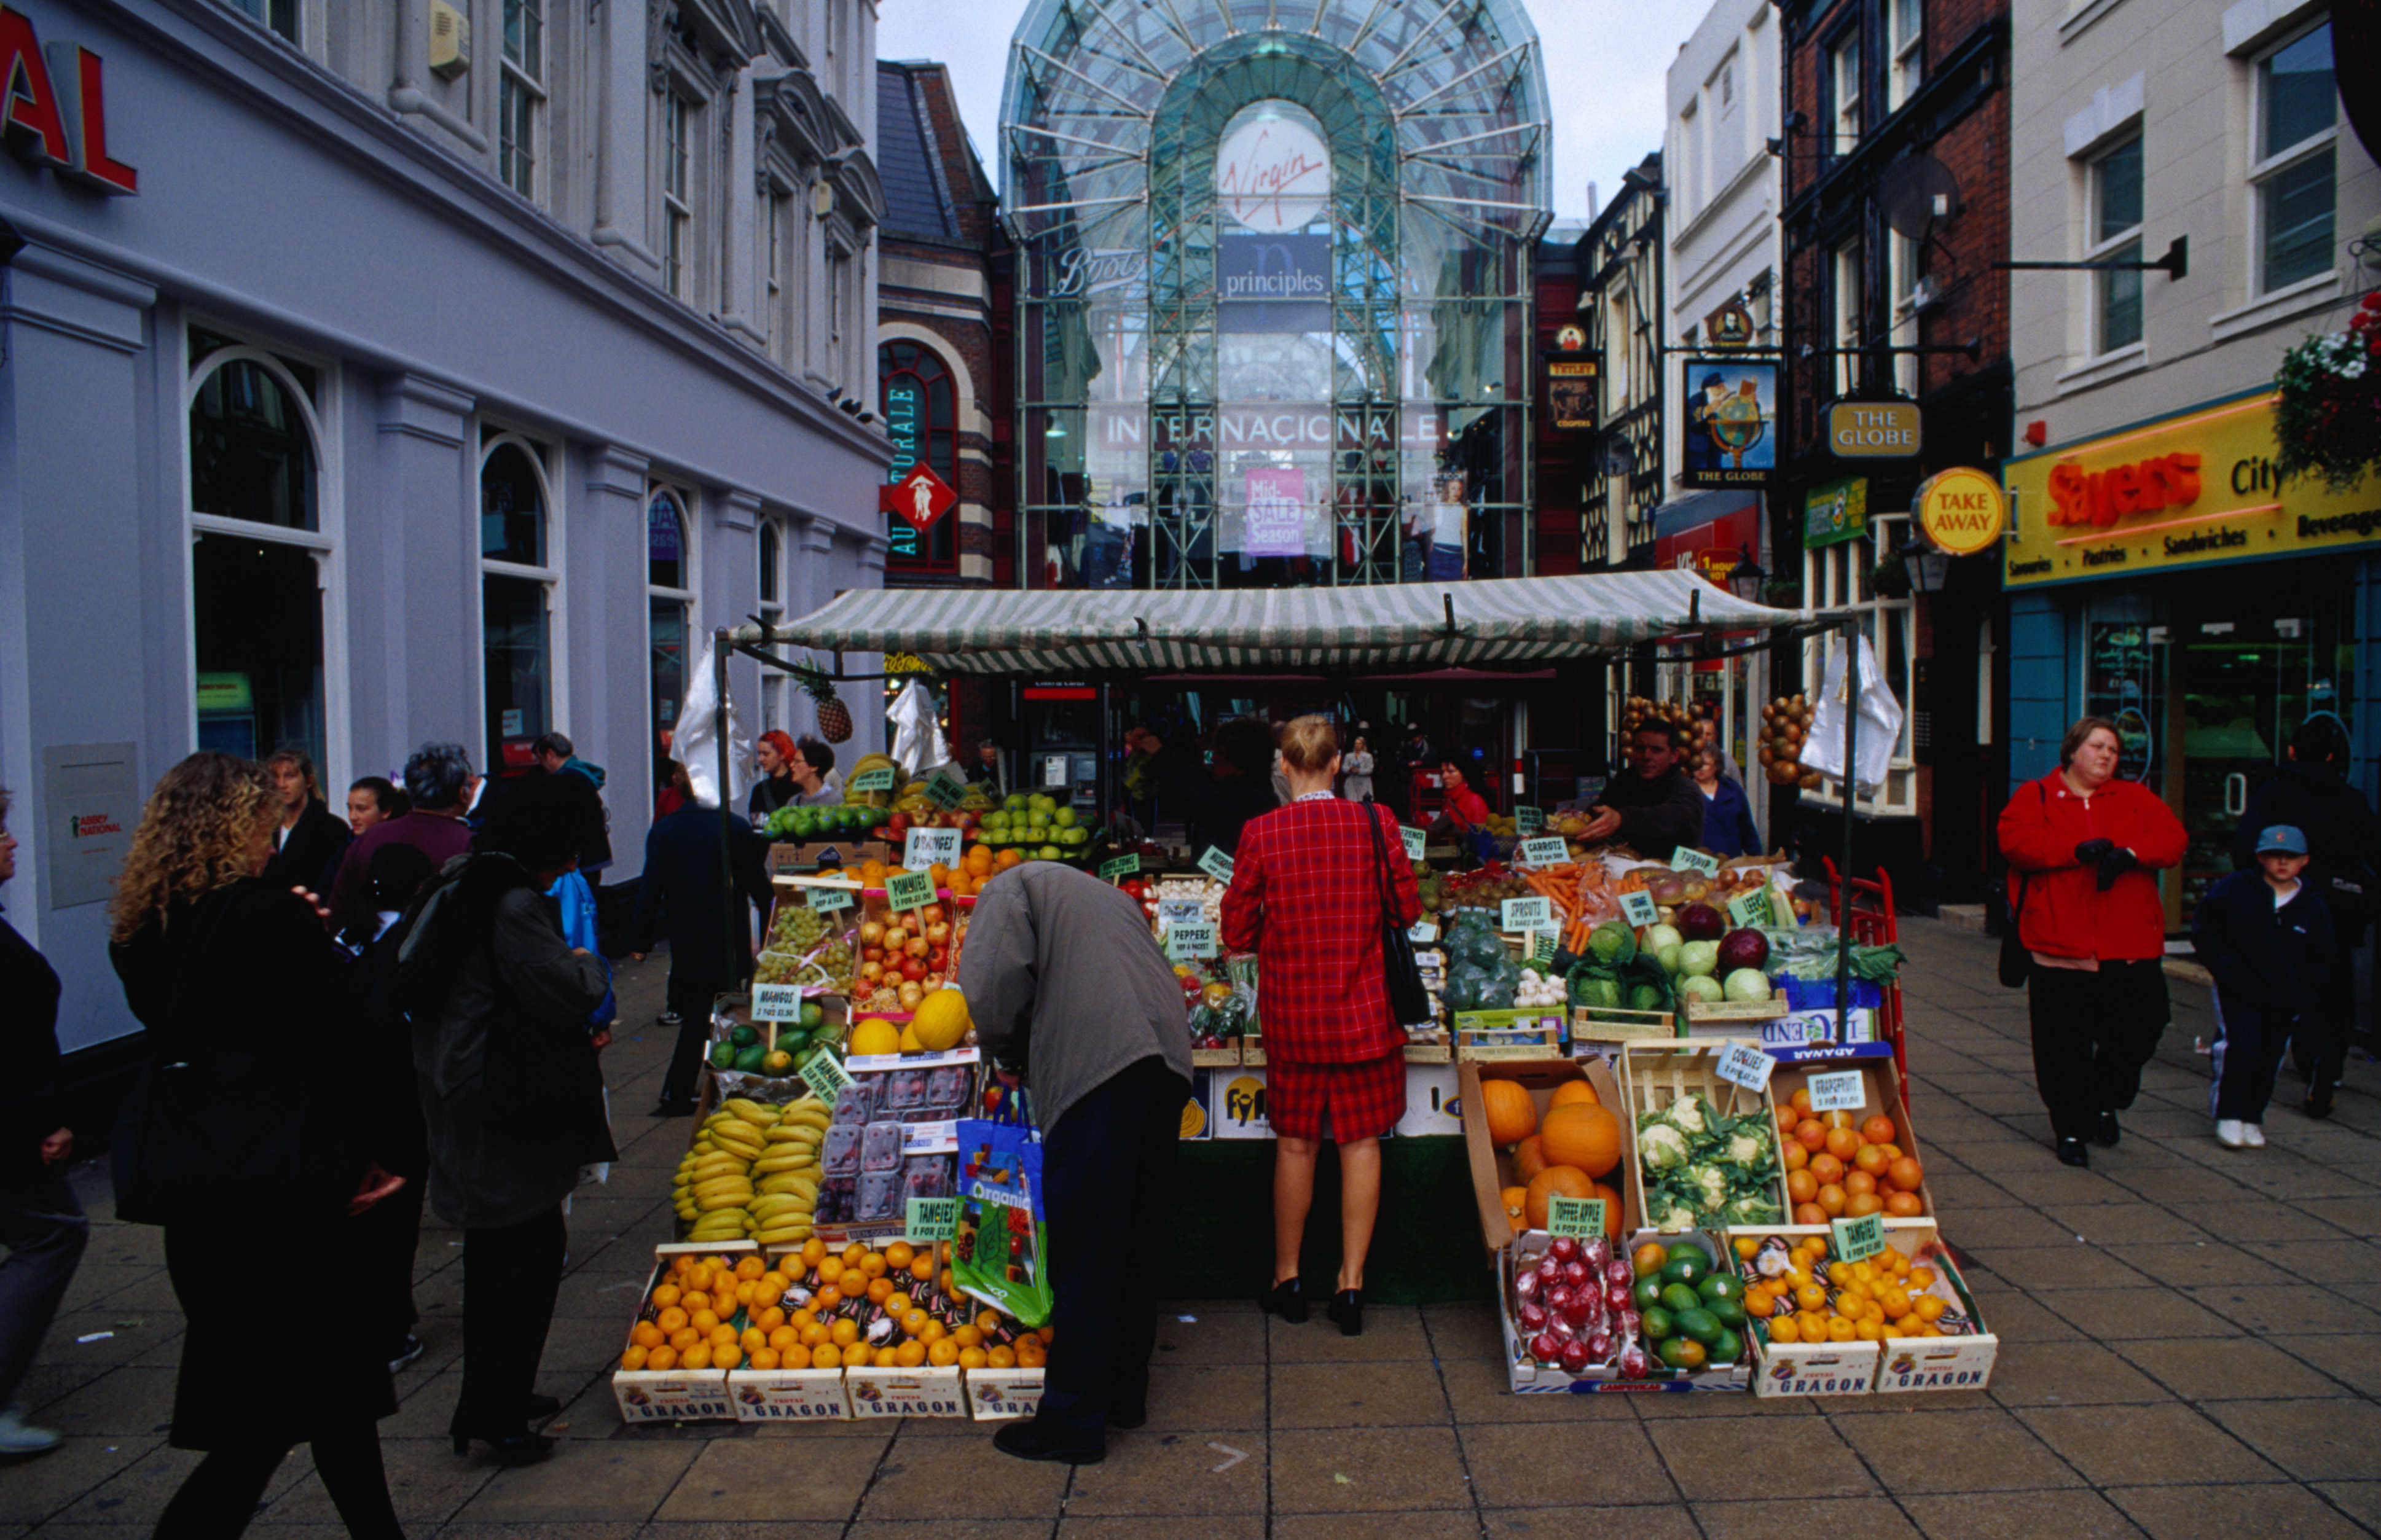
2083,845
1305,895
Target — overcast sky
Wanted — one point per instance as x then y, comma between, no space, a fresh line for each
1605,65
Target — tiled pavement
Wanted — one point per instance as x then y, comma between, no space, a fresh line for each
2191,1347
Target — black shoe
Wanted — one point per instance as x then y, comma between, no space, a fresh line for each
406,1353
1027,1440
539,1406
675,1110
2107,1134
2073,1152
1286,1300
1137,1417
667,1018
510,1449
2318,1102
1347,1307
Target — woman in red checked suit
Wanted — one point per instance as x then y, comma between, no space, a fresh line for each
1305,895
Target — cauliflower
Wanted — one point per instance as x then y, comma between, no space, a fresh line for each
1751,1210
1676,1218
1661,1146
1687,1114
1711,1185
1745,1149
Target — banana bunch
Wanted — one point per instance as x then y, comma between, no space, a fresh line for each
870,799
752,1172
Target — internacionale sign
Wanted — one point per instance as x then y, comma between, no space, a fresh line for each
2194,489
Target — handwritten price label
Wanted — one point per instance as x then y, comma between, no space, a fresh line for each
1190,941
1542,947
1123,866
1423,933
909,890
1578,1218
1215,863
826,1077
1172,911
877,780
930,1219
777,1002
1529,820
1549,851
1858,1239
1638,908
1685,860
927,847
1751,908
1414,838
945,790
1844,1091
826,901
1525,913
1742,1064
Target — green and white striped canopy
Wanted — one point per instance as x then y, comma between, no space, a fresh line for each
1497,623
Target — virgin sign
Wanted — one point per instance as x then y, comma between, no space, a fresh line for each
1273,173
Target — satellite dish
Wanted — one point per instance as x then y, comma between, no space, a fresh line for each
1915,192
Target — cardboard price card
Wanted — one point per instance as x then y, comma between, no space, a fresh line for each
1843,1091
927,847
1858,1239
1742,1064
877,780
945,790
1547,852
909,890
826,901
1123,866
777,1002
1421,933
1542,947
932,1220
1172,911
1215,863
1684,859
1189,940
1751,908
1638,908
1580,1219
826,1077
1414,838
1525,913
1527,821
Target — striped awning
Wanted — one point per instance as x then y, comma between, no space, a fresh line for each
1498,622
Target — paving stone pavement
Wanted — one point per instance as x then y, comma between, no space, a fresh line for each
2191,1346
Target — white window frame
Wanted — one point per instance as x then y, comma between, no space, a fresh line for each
1841,576
2124,246
774,683
775,205
522,82
1902,277
688,597
2266,165
1844,279
322,542
1844,93
557,622
676,140
1905,53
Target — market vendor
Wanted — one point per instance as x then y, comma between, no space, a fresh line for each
1652,807
1065,982
1236,787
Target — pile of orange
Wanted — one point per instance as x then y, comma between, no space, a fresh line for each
978,866
1814,1299
1840,1167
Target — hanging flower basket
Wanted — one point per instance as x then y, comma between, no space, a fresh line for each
2328,414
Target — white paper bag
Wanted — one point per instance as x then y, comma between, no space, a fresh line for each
695,741
918,745
1880,723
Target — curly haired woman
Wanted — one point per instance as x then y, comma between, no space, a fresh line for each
232,977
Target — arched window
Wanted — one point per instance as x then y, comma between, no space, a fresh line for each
670,590
518,585
920,401
259,559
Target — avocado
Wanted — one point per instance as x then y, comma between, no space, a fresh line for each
722,1056
743,1035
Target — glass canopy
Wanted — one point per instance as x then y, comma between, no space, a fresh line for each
1274,288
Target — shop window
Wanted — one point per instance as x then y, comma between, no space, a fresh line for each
1844,575
1905,22
2295,174
517,586
521,94
677,195
919,396
251,456
2116,237
277,17
669,595
1843,301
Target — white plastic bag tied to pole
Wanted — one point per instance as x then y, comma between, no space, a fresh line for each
1880,723
917,737
695,744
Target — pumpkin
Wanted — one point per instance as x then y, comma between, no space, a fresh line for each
1611,1197
1517,1203
1569,1181
1570,1091
1529,1159
1512,1116
1584,1136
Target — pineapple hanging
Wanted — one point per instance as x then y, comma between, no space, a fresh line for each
833,716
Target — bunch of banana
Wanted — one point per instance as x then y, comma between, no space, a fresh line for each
786,1174
865,763
752,1172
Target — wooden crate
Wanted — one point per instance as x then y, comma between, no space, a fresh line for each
1700,1011
1492,1168
1529,1032
1652,1078
1613,1023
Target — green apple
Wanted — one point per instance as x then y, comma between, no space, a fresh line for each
1049,853
1064,817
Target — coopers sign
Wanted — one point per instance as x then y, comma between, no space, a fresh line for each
53,107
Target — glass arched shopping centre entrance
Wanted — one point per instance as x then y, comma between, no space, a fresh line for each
1274,288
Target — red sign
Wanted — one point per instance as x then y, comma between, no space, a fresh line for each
54,106
921,497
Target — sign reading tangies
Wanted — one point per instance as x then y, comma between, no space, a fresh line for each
54,106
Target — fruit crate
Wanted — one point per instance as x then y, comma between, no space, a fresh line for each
919,1393
1892,1366
789,1395
1698,1012
1492,1168
999,1395
1525,1375
1614,1024
1225,1058
676,1394
1881,1095
790,858
1652,1076
1528,1032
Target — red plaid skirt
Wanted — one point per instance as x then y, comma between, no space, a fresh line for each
1359,1100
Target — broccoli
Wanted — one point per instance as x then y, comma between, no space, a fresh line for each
1661,1147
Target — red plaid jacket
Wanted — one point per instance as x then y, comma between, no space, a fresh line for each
1305,897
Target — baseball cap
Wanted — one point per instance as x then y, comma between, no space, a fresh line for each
2282,837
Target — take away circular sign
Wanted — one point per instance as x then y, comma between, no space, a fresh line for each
1962,510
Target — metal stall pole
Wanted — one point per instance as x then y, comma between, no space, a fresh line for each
1105,780
1844,884
734,908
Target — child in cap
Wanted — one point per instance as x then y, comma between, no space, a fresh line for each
2267,936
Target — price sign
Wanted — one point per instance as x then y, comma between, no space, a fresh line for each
1189,941
826,901
1172,911
1685,860
777,1002
1751,908
1123,866
1423,933
945,790
1578,1218
1529,820
909,890
1053,769
1526,914
1840,1092
826,1077
1414,838
1742,1064
1215,863
877,780
1542,947
1638,908
930,1219
1549,851
927,846
1858,1239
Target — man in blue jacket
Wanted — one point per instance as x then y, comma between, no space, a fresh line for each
684,892
2268,939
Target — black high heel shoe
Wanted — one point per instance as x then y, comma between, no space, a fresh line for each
1286,1300
540,1406
1347,1307
510,1449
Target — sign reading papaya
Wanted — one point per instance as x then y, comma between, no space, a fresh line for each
1961,511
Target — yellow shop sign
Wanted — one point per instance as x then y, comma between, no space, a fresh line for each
2192,490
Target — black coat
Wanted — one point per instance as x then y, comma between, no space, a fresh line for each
309,858
1219,808
681,893
30,1110
2271,961
1659,815
2343,840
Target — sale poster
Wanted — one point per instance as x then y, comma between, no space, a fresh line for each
1276,516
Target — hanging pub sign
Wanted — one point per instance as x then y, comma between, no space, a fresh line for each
1571,393
1729,326
920,497
1875,430
1731,418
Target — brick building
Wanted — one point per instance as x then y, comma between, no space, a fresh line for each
1896,135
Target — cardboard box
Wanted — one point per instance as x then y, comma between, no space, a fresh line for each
1795,1029
1896,1364
1492,1168
829,853
1813,1368
789,1395
905,1392
1525,1375
1652,1078
997,1395
676,1394
1237,1105
1881,1092
1431,1103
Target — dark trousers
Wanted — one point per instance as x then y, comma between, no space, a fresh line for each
691,999
2093,1032
44,1227
385,1238
510,1276
2319,1044
2247,1053
217,1500
1107,1171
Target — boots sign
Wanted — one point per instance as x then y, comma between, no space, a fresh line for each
53,107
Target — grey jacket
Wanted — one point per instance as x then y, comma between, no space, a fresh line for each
1063,978
511,1089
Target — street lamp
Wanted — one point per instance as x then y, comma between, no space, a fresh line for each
1746,579
1929,569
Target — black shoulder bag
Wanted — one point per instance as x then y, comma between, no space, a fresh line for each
1408,998
2015,962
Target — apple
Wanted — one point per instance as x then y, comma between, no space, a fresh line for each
871,970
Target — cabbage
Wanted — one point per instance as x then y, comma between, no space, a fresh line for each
1747,986
1701,987
1699,959
1660,936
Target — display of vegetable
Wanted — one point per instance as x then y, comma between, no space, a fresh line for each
1703,1168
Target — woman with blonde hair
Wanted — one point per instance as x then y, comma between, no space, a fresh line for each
230,1121
1306,897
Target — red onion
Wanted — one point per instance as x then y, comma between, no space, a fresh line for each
1525,1286
1575,1357
1534,1318
1546,1348
1577,1274
1557,1298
